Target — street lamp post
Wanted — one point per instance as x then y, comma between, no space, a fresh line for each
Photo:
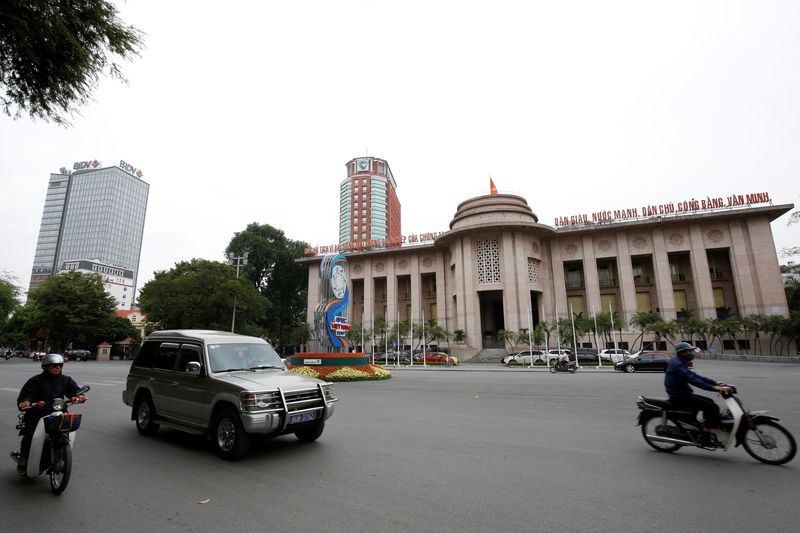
237,261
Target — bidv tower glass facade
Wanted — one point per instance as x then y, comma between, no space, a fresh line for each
93,216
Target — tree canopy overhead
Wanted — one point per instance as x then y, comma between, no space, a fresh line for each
271,268
52,54
201,294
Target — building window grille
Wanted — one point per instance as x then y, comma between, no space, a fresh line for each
488,252
534,275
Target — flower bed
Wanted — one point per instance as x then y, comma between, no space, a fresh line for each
342,373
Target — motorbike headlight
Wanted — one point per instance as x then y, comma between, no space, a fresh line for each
59,404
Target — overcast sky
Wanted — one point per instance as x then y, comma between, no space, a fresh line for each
242,112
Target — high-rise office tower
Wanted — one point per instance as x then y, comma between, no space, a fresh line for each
368,204
93,221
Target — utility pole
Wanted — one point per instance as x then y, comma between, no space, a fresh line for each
237,261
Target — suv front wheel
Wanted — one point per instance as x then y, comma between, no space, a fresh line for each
310,434
145,413
228,436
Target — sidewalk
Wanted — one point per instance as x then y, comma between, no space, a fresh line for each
487,367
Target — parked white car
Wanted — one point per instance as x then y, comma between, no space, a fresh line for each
524,357
616,355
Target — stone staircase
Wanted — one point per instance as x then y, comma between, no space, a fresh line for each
488,355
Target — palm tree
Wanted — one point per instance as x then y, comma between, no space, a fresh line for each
508,338
538,334
521,337
663,330
379,329
643,320
459,336
730,327
603,328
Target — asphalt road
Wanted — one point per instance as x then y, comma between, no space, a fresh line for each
473,449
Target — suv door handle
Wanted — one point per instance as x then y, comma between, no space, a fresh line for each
152,380
176,383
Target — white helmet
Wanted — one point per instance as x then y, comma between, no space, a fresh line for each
52,359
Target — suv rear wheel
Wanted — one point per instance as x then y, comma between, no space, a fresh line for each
228,436
144,413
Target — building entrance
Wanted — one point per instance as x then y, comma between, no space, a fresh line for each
491,309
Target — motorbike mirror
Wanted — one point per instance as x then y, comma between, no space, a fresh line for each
83,390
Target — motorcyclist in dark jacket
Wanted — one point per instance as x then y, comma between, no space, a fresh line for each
677,379
47,386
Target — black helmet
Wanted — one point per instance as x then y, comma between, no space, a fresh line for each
52,359
683,347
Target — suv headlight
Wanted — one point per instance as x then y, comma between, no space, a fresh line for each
260,401
327,390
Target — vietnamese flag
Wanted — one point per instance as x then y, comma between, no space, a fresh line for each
492,188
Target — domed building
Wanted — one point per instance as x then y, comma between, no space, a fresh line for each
499,268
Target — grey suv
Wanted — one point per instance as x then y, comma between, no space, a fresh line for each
224,386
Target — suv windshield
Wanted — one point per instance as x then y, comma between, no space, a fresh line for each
230,357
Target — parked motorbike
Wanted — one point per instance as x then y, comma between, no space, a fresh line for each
51,444
563,365
668,429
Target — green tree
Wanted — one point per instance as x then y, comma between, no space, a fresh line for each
52,54
459,336
794,218
9,301
271,268
72,308
200,294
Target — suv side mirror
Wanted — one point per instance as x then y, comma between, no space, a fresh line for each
193,368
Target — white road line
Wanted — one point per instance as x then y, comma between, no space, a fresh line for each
9,389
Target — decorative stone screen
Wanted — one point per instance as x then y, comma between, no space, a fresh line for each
534,277
488,252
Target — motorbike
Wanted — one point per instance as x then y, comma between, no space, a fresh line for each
668,429
52,441
564,365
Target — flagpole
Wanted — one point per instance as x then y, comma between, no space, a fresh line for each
594,317
574,339
611,312
412,343
546,341
530,340
397,351
424,353
362,330
372,332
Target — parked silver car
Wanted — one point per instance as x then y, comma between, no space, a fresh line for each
224,386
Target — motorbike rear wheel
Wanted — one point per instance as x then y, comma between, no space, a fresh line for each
553,369
61,468
650,427
769,442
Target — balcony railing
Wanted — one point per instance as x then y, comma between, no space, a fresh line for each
678,277
606,283
574,283
641,280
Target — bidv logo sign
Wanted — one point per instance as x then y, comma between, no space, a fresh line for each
130,169
83,165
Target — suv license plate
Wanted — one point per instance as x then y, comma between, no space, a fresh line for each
302,417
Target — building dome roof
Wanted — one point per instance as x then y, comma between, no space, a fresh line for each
493,210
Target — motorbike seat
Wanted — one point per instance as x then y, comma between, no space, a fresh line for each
663,403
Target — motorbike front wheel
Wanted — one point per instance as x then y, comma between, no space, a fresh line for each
61,468
769,442
650,427
553,369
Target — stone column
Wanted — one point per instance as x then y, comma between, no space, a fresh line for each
509,281
743,277
663,276
701,278
627,288
416,293
441,290
391,291
313,292
559,286
590,275
369,292
767,271
472,317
